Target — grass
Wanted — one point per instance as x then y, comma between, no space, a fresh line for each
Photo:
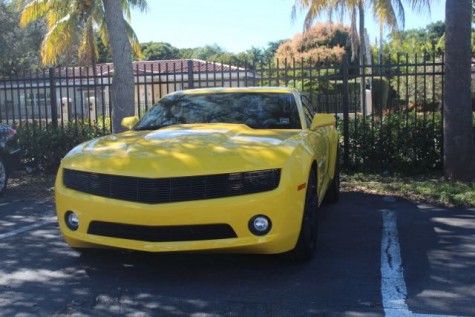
432,189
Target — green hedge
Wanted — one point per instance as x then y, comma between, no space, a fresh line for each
44,146
402,143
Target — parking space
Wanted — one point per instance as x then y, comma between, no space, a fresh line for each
438,251
41,276
18,215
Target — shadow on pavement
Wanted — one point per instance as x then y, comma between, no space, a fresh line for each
41,276
438,249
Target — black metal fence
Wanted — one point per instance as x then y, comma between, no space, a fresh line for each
364,97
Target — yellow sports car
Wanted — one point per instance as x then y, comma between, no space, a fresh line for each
222,170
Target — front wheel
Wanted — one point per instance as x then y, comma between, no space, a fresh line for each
333,192
307,241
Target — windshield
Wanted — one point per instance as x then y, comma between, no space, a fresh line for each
256,110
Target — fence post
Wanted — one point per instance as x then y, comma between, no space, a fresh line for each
346,110
190,74
54,102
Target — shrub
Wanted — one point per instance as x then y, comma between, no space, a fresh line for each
324,42
398,142
44,146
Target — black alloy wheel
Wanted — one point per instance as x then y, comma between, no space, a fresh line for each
333,192
307,241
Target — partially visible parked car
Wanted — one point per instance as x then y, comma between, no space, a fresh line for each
9,154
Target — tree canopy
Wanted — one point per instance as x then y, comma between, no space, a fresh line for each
429,40
72,23
159,51
18,47
388,13
326,42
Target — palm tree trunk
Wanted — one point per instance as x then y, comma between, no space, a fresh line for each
362,31
123,79
362,56
459,147
93,63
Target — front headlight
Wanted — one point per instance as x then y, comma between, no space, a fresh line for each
255,181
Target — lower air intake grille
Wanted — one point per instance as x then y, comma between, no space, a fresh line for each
162,233
174,189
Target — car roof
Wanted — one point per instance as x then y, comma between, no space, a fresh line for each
237,90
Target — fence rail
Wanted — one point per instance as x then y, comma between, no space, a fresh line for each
363,96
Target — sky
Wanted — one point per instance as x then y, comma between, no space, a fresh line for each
239,25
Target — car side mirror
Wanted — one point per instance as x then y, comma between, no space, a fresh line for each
129,122
322,120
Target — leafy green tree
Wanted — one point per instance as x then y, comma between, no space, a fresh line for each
186,53
388,12
428,40
325,42
216,54
248,59
159,51
18,47
271,49
71,22
104,52
209,52
252,56
74,21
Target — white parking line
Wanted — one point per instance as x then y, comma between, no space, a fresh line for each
393,286
25,229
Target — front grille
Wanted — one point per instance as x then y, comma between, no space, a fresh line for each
162,233
175,189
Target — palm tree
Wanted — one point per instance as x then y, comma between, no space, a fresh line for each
73,22
459,146
123,80
388,13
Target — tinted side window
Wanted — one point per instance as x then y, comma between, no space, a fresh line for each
308,109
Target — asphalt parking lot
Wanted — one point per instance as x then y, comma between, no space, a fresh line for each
378,256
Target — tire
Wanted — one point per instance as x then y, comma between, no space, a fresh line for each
333,192
3,177
307,241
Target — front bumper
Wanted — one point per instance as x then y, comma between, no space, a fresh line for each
105,222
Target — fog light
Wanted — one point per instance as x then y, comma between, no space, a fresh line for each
72,220
260,225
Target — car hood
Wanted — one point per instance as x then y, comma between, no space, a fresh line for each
185,150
